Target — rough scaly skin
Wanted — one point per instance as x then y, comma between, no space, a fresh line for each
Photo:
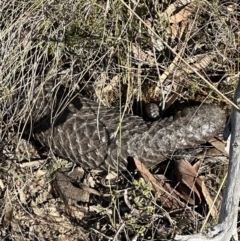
87,134
93,136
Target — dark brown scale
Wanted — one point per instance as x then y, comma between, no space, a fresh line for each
81,132
88,135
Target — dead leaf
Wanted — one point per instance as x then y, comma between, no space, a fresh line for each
197,165
182,15
114,82
174,6
187,175
139,54
173,30
168,196
219,145
8,216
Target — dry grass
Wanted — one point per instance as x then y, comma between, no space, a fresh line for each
116,52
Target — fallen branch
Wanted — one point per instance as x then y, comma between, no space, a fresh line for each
227,223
